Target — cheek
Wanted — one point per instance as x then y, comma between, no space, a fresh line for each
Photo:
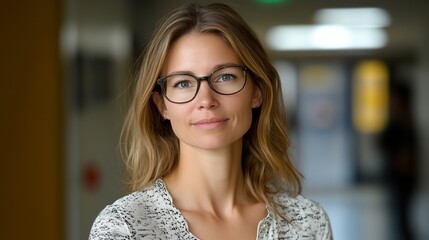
247,117
177,115
244,114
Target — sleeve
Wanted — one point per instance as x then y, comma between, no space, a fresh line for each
109,224
325,230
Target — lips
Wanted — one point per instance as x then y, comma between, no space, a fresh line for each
210,123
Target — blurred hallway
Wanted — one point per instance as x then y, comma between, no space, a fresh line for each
334,146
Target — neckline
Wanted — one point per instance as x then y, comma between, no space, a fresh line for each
164,191
179,215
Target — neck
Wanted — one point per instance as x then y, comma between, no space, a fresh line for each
207,180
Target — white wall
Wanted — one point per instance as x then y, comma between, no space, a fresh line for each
99,32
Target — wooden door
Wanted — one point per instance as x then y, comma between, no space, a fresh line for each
31,121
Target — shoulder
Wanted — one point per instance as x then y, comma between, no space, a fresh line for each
150,198
141,203
299,205
305,214
120,219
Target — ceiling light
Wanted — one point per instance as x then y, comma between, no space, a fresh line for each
354,17
324,37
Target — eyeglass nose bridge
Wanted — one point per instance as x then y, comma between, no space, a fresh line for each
207,79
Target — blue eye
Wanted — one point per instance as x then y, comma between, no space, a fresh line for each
182,84
226,77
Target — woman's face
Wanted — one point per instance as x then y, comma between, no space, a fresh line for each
210,120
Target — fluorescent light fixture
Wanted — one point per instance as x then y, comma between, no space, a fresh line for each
370,17
324,37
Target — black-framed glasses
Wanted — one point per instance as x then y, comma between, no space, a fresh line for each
183,87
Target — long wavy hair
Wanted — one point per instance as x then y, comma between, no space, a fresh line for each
150,147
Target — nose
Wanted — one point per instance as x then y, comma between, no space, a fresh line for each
206,97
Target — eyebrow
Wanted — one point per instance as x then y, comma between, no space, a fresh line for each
213,69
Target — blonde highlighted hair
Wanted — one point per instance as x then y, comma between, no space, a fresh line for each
151,148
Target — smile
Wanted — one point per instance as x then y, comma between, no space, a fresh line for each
210,123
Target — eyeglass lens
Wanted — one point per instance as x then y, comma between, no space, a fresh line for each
181,88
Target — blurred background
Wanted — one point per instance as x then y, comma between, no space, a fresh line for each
355,81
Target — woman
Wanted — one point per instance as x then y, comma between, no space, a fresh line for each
206,143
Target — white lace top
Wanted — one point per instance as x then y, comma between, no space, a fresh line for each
150,214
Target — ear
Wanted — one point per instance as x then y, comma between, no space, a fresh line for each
159,102
257,97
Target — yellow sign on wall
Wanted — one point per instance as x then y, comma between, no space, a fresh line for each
370,96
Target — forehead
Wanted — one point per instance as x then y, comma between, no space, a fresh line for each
199,53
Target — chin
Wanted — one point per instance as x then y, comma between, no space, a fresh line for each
216,144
